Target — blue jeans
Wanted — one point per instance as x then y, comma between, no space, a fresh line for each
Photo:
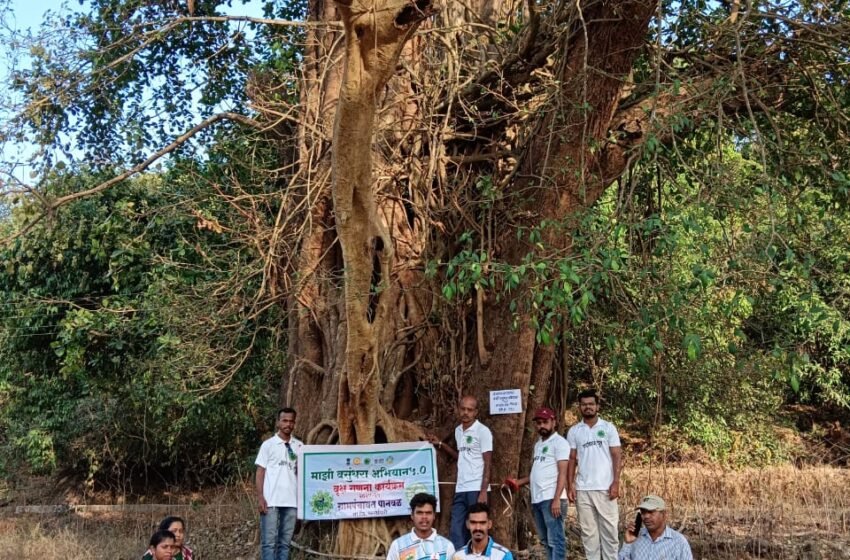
276,529
551,529
458,533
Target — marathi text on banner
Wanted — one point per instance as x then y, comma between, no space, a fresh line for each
356,481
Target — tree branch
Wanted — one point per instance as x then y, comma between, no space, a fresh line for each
52,205
179,141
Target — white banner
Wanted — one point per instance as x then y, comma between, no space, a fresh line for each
356,481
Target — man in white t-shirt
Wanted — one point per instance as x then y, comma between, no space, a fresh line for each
474,454
548,481
276,488
596,452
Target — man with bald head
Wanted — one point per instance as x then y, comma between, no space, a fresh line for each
473,455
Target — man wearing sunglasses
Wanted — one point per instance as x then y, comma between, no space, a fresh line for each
276,487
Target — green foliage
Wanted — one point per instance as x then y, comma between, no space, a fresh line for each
139,332
85,87
141,328
710,286
115,359
706,313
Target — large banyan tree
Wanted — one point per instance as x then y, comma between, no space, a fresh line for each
522,110
432,161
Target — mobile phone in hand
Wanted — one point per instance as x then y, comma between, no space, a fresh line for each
638,523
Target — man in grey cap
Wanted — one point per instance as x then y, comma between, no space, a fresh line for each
654,539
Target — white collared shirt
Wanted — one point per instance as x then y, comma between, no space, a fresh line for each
472,444
593,453
280,483
411,547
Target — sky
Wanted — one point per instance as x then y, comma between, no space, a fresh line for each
18,17
29,13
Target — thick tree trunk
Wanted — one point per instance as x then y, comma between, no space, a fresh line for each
375,33
563,176
368,353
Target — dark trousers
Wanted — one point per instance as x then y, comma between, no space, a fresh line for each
458,533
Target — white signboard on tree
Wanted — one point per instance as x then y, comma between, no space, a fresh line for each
507,401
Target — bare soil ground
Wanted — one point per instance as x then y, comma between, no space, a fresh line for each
778,513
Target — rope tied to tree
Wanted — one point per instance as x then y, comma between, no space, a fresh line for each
509,508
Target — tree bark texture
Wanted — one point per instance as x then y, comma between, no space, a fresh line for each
375,355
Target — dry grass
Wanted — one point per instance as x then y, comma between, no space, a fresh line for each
778,513
222,524
34,541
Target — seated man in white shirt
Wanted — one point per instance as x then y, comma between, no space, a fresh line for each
423,542
653,539
481,545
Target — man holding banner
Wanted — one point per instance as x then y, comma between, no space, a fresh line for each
423,542
276,487
474,454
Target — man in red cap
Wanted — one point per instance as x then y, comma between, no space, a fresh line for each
548,482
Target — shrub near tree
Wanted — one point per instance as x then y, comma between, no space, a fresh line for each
417,202
108,368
